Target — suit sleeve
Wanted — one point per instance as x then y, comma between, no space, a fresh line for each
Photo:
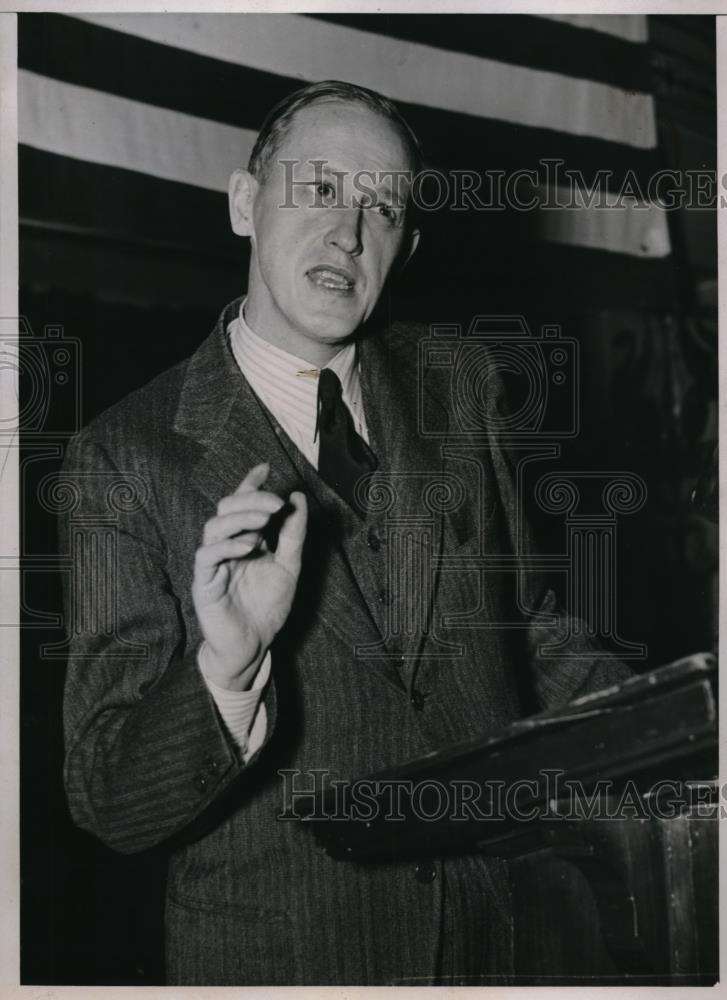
146,751
580,665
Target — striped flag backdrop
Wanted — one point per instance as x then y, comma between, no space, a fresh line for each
131,124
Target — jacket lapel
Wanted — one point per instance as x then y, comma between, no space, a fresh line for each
218,409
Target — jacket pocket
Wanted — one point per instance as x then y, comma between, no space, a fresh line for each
220,944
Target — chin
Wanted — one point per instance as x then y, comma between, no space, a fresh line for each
332,333
331,328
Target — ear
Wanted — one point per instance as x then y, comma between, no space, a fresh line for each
243,188
407,252
413,244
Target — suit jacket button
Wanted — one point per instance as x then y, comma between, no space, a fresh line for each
373,540
200,782
417,700
212,765
425,872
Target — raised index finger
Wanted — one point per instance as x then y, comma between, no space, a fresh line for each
254,478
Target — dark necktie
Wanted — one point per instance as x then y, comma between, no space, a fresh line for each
343,455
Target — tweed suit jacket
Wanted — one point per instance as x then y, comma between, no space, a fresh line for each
250,898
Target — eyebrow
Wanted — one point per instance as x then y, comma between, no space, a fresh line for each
388,192
383,191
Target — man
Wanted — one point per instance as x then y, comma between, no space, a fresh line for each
258,590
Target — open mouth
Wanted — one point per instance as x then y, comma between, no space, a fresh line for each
333,279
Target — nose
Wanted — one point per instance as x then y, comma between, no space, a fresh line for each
345,231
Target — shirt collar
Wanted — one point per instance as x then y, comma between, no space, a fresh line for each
288,366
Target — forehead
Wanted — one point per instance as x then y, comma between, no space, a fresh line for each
347,134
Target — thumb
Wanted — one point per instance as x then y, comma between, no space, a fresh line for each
292,535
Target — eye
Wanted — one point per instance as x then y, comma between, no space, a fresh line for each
324,191
388,213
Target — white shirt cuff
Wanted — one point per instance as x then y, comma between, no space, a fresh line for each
242,712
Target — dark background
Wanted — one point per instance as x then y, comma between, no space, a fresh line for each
137,305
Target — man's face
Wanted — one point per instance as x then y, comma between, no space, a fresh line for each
322,249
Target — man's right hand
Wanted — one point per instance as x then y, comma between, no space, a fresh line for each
242,591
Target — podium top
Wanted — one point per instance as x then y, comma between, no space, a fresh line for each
699,668
659,726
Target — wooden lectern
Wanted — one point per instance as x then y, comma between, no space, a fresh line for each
606,811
